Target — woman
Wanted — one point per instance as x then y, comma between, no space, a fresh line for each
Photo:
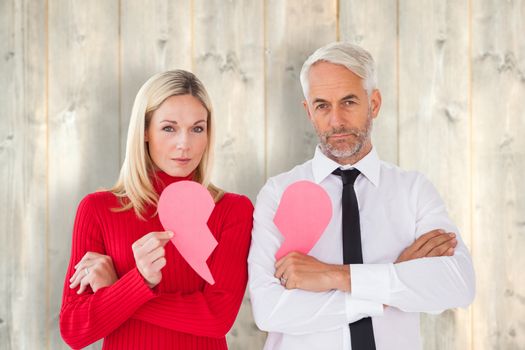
125,282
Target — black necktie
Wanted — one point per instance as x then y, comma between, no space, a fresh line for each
362,332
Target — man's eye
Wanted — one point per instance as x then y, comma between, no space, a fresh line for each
321,106
168,129
349,103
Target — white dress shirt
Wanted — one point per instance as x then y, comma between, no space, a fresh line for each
395,208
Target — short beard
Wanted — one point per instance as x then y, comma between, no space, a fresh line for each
350,150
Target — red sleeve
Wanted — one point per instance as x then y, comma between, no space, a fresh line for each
89,317
211,313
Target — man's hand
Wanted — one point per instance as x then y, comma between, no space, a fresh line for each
433,243
94,270
149,255
301,271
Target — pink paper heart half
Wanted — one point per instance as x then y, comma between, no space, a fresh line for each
184,208
302,216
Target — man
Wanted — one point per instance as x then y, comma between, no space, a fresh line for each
390,250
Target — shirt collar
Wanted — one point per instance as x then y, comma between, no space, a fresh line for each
369,166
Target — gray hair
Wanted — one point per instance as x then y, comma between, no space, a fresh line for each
351,56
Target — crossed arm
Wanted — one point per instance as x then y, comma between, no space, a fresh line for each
96,308
300,294
301,271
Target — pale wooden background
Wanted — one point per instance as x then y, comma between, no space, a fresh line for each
452,75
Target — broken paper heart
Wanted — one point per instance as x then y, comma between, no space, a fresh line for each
184,208
302,216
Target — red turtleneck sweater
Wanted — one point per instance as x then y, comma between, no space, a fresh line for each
182,311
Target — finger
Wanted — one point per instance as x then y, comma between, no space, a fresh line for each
81,267
88,256
283,264
279,262
140,242
433,243
290,283
155,241
75,274
286,258
156,254
161,235
158,264
84,258
442,249
80,273
421,240
83,284
280,271
76,281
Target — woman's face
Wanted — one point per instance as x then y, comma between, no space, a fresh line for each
177,135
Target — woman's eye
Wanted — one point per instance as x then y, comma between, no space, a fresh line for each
198,129
168,129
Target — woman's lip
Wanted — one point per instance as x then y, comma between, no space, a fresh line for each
182,160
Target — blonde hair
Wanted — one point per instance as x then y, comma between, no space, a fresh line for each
134,186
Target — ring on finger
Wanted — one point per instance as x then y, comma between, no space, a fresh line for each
283,281
86,270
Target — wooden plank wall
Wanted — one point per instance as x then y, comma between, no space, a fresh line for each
434,120
498,163
452,75
24,254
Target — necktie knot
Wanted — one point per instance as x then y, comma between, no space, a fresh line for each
348,176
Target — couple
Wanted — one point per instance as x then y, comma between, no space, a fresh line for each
389,252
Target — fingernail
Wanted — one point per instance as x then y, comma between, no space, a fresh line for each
441,231
170,234
452,234
71,285
71,279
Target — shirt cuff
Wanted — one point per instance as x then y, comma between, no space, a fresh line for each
357,309
371,282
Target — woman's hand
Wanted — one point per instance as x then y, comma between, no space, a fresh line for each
94,270
149,255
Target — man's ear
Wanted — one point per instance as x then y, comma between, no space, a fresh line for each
305,105
375,102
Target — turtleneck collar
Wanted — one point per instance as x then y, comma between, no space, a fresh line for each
161,180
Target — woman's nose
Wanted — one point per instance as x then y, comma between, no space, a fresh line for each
182,142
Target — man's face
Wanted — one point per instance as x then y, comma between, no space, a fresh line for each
340,110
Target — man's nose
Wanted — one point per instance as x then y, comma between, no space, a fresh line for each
336,117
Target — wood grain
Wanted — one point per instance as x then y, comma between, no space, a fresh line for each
83,123
434,132
295,29
155,37
379,37
229,59
498,124
23,256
